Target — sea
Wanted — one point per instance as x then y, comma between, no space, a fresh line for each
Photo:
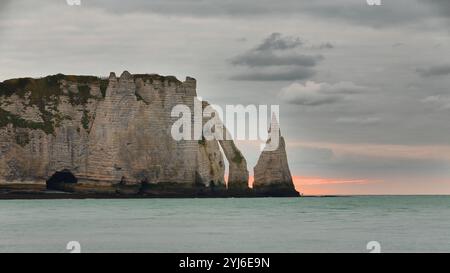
281,225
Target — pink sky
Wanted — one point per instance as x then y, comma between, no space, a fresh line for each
316,183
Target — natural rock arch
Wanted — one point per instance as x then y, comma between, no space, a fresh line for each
238,175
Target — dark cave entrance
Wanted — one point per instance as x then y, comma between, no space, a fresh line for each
61,178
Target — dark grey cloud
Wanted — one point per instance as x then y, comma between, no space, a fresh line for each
289,74
441,6
276,58
391,13
276,41
4,4
199,8
255,59
437,70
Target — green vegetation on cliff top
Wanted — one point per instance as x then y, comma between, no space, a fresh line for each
45,93
45,88
155,77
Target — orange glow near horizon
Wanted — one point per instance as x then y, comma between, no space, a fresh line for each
312,185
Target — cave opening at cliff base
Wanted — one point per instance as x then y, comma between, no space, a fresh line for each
61,177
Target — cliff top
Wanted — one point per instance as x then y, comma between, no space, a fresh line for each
51,85
44,94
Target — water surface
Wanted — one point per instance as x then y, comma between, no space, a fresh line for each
341,224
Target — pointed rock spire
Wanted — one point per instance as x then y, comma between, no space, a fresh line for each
112,76
272,174
126,76
112,84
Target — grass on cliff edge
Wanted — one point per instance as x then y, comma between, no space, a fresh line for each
45,88
44,93
155,77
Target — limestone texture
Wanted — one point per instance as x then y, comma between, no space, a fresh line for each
91,135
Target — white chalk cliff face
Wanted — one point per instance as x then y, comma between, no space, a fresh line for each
130,140
108,136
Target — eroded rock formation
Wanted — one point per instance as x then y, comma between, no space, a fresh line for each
237,173
86,135
272,174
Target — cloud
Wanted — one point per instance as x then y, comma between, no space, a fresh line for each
441,6
437,70
4,4
313,155
276,41
198,37
398,45
358,120
441,101
281,52
391,13
382,151
326,45
254,59
290,74
314,94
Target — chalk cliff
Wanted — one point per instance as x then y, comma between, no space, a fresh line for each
93,135
272,174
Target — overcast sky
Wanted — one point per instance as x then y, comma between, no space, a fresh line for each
363,90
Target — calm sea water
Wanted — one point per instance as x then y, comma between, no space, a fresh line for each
343,224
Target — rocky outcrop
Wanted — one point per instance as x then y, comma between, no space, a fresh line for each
90,135
237,173
112,134
272,174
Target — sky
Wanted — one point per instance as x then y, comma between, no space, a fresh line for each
363,90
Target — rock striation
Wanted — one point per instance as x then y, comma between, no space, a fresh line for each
110,136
